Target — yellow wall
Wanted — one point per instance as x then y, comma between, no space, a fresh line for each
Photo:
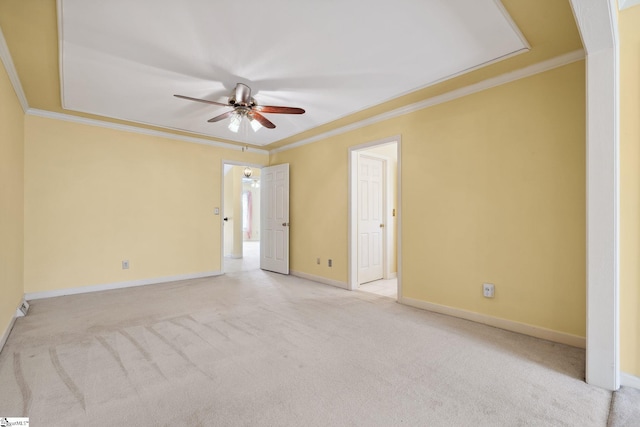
318,206
11,201
96,196
629,22
493,190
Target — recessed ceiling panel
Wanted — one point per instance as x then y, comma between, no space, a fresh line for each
126,59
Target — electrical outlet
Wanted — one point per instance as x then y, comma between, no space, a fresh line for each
23,309
318,261
125,264
488,290
330,263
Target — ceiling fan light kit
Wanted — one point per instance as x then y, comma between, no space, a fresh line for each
245,106
234,123
255,125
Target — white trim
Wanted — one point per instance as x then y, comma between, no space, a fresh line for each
5,57
352,223
389,219
135,129
509,325
602,223
597,22
60,50
529,71
511,22
118,285
629,380
7,332
399,219
625,4
319,279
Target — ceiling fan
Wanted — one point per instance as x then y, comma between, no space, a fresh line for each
245,106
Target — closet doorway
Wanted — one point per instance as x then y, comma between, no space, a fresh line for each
374,217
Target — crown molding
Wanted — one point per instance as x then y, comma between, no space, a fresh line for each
512,23
135,129
5,56
625,4
531,70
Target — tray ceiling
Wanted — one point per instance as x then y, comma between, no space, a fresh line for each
126,60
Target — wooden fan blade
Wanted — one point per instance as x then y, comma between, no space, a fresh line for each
221,117
201,100
278,110
261,119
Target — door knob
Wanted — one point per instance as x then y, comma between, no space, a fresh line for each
381,225
225,219
285,224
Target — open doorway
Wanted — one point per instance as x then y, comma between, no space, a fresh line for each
241,218
374,217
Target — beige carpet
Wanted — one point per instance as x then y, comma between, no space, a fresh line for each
625,408
261,349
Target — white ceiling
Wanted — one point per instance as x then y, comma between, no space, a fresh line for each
126,59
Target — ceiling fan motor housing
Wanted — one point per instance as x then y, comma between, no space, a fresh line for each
241,95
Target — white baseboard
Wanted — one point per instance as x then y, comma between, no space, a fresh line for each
5,334
629,380
119,285
509,325
390,276
320,279
623,4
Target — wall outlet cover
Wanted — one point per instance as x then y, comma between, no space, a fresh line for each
488,290
23,309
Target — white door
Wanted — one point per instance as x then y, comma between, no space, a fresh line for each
274,219
370,218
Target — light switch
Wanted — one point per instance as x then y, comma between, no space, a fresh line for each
216,211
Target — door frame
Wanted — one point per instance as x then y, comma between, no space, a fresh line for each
597,23
221,215
352,255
